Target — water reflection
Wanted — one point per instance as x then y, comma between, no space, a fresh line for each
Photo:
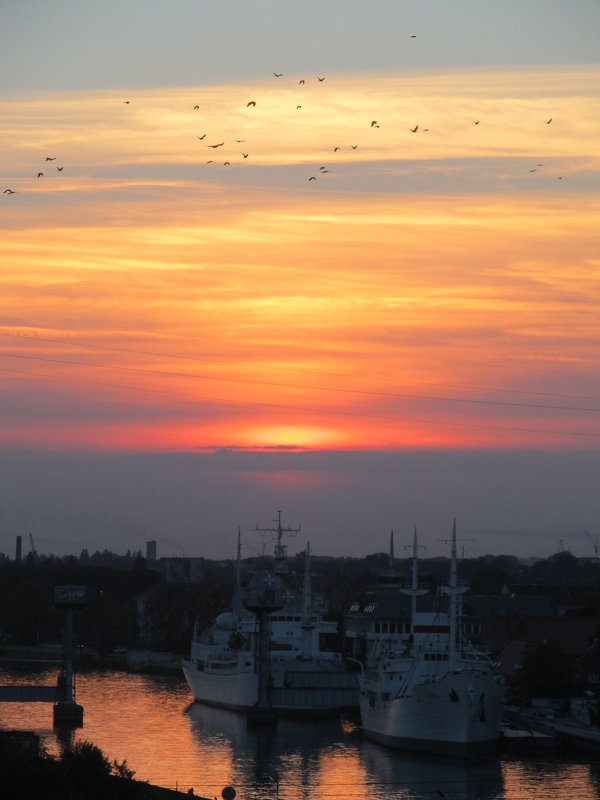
330,759
289,753
421,776
150,722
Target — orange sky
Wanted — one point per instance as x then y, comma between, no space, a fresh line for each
437,288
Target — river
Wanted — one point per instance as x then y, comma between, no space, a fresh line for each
165,738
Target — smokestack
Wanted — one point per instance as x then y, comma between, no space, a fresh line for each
151,550
18,553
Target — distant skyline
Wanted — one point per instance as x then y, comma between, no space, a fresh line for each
513,503
334,246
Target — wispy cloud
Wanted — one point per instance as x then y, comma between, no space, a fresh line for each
166,301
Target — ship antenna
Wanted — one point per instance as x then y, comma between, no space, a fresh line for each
277,534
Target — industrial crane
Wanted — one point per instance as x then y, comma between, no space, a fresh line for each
594,542
34,554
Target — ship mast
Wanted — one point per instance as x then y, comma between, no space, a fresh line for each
414,591
238,580
280,548
307,620
453,598
453,590
238,566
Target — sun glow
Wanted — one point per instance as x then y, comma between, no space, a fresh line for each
435,288
295,437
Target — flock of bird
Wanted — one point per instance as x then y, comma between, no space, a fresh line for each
251,104
323,170
39,174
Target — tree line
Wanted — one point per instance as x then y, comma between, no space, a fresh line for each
122,590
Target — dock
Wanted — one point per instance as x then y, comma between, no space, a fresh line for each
573,734
565,732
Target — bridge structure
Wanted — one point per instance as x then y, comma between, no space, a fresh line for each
70,599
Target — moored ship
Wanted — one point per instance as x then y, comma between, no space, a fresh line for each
437,692
271,652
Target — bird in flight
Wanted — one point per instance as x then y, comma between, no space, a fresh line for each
278,74
297,107
548,121
225,163
475,122
50,158
374,124
320,79
354,146
239,141
216,145
126,102
40,174
196,108
202,137
312,178
245,155
335,149
9,191
413,36
415,129
301,82
251,103
60,169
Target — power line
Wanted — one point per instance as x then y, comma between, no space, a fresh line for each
282,367
277,384
330,412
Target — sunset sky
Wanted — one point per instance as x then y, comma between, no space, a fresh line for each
330,278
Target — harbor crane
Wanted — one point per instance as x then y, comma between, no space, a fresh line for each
34,554
594,541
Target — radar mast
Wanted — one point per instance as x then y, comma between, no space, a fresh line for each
280,551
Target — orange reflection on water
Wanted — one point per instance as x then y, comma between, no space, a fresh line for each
150,722
560,779
341,773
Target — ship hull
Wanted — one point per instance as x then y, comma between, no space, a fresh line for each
301,689
237,689
458,715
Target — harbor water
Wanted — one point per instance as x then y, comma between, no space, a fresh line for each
151,722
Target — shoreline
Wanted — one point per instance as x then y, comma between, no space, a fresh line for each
20,754
142,661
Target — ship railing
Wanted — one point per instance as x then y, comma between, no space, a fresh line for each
417,659
360,664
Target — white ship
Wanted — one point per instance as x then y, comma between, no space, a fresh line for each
270,652
436,693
